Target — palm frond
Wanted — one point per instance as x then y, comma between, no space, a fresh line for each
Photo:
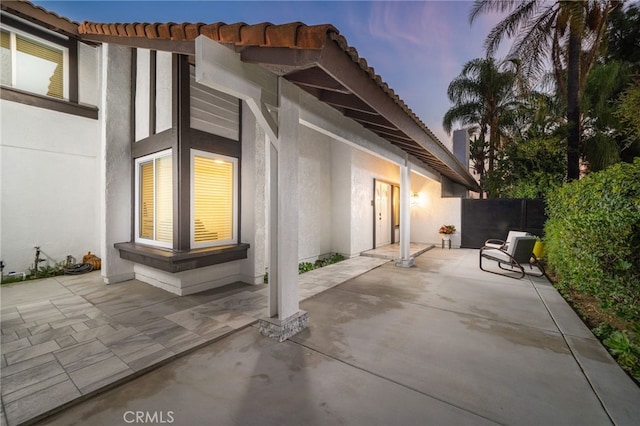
481,7
510,25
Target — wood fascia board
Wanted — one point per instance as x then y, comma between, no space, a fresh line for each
183,47
287,59
41,17
340,66
221,68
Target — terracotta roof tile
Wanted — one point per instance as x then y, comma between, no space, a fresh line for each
191,31
254,35
293,35
230,33
211,30
283,35
140,29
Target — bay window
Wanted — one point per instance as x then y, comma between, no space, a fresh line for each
186,185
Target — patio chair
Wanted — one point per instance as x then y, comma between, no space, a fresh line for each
514,258
504,244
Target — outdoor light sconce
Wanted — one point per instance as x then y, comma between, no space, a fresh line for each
415,199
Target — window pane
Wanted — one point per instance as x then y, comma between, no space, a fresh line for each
213,199
5,58
164,199
146,200
39,68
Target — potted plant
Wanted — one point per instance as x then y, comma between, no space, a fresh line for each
446,231
538,249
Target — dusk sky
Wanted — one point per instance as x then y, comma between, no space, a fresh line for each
417,47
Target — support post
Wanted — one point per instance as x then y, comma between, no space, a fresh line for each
405,260
283,258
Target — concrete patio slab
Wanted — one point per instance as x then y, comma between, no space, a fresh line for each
74,332
406,353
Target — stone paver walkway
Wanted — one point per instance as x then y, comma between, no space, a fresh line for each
442,343
65,338
392,251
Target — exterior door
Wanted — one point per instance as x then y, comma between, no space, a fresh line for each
383,214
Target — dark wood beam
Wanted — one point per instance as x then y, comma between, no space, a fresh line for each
365,119
315,77
385,132
346,101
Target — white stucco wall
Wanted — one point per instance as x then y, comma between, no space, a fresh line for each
164,91
341,155
433,211
143,61
48,184
49,175
89,71
366,168
314,178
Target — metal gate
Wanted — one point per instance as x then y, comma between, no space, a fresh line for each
485,219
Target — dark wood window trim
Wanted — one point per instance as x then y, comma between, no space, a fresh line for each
152,91
70,44
180,261
40,101
181,138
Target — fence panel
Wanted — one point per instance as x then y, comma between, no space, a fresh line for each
485,219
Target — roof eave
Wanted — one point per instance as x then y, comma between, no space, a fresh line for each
41,17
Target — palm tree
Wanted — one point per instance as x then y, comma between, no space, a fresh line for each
558,31
483,98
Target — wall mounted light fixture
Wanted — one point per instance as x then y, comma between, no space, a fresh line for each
415,199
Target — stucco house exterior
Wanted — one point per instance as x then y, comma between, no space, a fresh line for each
190,156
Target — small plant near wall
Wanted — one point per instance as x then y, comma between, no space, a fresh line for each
308,266
447,229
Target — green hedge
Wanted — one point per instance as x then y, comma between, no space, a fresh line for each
592,237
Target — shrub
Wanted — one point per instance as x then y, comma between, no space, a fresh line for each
592,237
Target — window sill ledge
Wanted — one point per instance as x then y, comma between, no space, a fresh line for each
174,261
61,105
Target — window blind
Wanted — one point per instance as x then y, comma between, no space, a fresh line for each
156,199
164,199
147,216
46,53
212,199
5,58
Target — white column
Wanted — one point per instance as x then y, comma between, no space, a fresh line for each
273,231
285,317
288,153
116,161
405,215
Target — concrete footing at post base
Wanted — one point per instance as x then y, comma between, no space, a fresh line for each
281,330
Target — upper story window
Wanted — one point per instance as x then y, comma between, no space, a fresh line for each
34,65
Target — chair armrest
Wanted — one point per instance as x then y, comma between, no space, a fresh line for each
494,243
496,253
